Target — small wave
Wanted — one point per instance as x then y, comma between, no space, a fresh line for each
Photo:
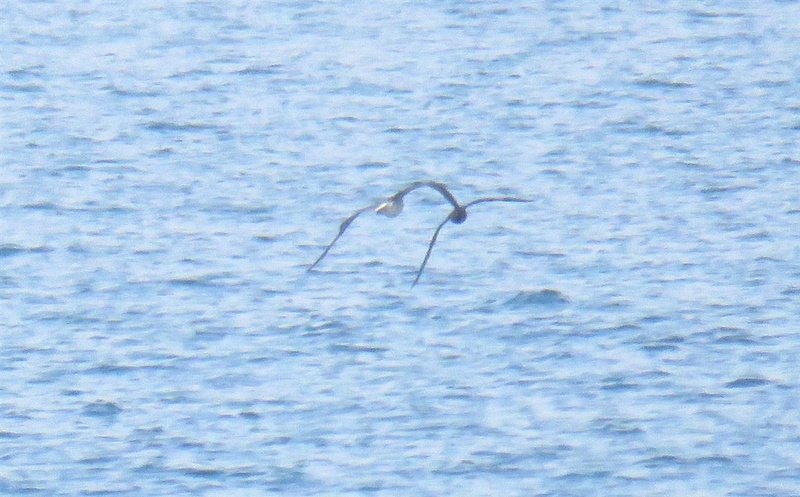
747,382
357,348
101,409
268,70
10,250
663,83
372,165
546,297
203,280
41,206
166,126
23,88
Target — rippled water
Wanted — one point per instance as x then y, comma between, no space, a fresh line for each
169,170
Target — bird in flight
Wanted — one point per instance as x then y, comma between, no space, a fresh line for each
393,206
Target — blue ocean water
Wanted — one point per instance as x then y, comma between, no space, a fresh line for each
170,170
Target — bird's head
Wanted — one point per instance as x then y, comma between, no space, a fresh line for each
391,208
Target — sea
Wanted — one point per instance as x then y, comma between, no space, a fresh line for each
169,170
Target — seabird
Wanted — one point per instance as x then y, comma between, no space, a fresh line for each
391,207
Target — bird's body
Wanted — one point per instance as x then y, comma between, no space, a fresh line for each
393,206
458,215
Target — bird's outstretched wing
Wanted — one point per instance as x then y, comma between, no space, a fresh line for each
430,248
394,204
342,227
497,199
439,187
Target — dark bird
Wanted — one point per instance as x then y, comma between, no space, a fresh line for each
391,207
457,216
